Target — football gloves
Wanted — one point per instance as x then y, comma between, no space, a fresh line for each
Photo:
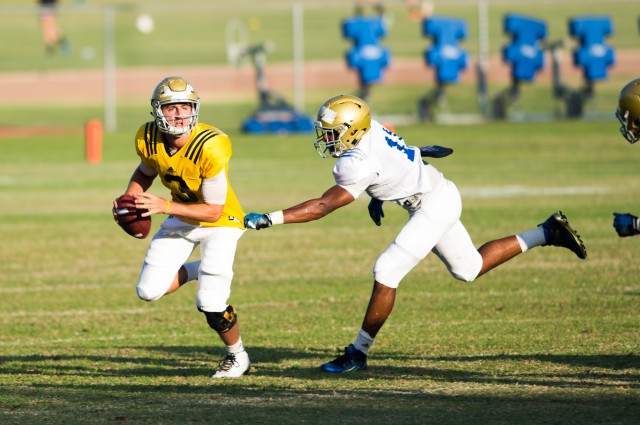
375,211
257,221
435,151
626,224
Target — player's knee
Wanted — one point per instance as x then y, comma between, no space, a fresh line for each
467,272
465,277
148,293
393,265
213,292
223,321
154,282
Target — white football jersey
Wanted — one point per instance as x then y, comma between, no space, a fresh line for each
386,168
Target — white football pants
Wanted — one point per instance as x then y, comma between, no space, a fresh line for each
171,247
436,227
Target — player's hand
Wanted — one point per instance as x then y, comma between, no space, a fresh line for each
114,210
435,151
625,224
151,202
375,211
257,221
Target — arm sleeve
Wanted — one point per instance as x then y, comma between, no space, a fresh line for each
353,175
214,189
357,188
147,171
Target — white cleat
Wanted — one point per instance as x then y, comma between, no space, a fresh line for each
233,366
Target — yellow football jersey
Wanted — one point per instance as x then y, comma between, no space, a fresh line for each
205,155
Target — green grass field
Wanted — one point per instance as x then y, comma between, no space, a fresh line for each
203,37
544,339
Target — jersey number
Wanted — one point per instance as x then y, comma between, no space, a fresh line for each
395,141
186,195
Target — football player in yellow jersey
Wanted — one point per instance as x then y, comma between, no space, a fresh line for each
192,161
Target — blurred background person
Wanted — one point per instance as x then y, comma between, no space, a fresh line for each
52,35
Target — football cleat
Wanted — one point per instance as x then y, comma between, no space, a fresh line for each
351,360
558,232
233,365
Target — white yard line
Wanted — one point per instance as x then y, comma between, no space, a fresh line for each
52,288
512,191
40,341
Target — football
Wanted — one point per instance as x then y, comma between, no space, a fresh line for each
129,218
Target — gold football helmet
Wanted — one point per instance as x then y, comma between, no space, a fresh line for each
342,122
628,112
174,90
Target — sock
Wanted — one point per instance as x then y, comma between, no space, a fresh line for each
235,348
192,270
364,341
531,239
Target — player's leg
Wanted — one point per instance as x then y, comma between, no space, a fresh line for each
51,33
558,232
416,239
380,306
497,252
217,251
49,28
555,231
160,271
457,252
186,273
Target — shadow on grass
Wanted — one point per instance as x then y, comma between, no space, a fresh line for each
196,360
171,385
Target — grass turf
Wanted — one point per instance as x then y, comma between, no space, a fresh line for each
544,339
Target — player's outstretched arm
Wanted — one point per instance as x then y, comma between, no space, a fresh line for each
626,224
313,209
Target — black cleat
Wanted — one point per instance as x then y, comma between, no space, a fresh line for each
350,361
558,232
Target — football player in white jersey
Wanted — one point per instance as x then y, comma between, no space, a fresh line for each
628,113
192,161
378,162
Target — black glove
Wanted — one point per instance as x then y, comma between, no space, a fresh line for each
626,224
375,211
435,151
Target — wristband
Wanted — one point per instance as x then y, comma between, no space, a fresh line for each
277,217
168,207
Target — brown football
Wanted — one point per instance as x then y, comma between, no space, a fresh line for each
130,218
